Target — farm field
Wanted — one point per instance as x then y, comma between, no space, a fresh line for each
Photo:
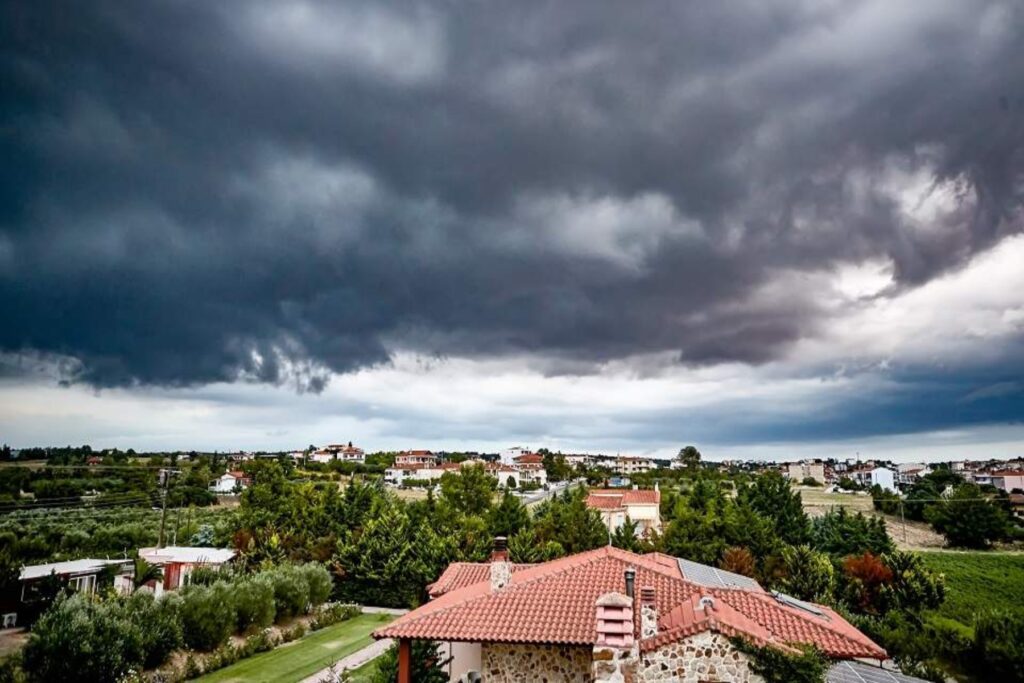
978,581
302,658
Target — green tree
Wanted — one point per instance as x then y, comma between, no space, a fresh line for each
968,519
689,456
624,536
508,517
914,587
809,574
427,664
469,491
839,534
526,547
568,521
144,572
771,496
390,561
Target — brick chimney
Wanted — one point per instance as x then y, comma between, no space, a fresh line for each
648,613
501,568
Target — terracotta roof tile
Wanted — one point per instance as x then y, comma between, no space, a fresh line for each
554,602
462,574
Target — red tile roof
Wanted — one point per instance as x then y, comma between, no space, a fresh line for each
551,602
554,602
610,499
529,458
462,574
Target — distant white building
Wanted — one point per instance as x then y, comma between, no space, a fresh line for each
421,458
339,452
909,472
509,455
626,465
231,481
884,477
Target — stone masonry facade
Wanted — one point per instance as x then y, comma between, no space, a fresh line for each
508,663
703,657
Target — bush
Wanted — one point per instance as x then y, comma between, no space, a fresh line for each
319,581
159,622
79,639
208,615
254,602
328,615
999,645
776,666
291,591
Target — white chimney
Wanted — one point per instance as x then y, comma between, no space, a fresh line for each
501,568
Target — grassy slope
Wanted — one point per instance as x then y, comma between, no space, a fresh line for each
305,657
977,581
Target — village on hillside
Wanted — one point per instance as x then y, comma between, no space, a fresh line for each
584,566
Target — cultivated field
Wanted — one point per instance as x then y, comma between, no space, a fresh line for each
978,581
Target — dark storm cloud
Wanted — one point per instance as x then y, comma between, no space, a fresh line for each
193,192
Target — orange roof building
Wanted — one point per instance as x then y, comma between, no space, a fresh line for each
598,614
643,507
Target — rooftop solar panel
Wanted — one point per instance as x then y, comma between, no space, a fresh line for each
717,578
857,672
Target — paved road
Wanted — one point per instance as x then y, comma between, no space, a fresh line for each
359,657
556,488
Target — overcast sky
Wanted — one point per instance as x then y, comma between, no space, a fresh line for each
769,229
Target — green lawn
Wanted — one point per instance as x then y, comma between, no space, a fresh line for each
363,673
977,581
303,658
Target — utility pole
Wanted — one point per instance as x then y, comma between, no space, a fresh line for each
904,520
165,482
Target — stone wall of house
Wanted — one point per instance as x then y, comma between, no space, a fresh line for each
522,663
703,657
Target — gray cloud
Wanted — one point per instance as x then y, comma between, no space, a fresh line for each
199,192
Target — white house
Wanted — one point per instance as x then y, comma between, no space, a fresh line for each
640,506
231,481
629,465
420,458
884,477
509,455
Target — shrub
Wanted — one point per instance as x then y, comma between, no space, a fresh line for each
254,602
208,615
319,581
328,615
291,591
776,666
999,645
82,640
159,623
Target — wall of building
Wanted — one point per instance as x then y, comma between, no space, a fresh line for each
523,663
703,657
464,657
